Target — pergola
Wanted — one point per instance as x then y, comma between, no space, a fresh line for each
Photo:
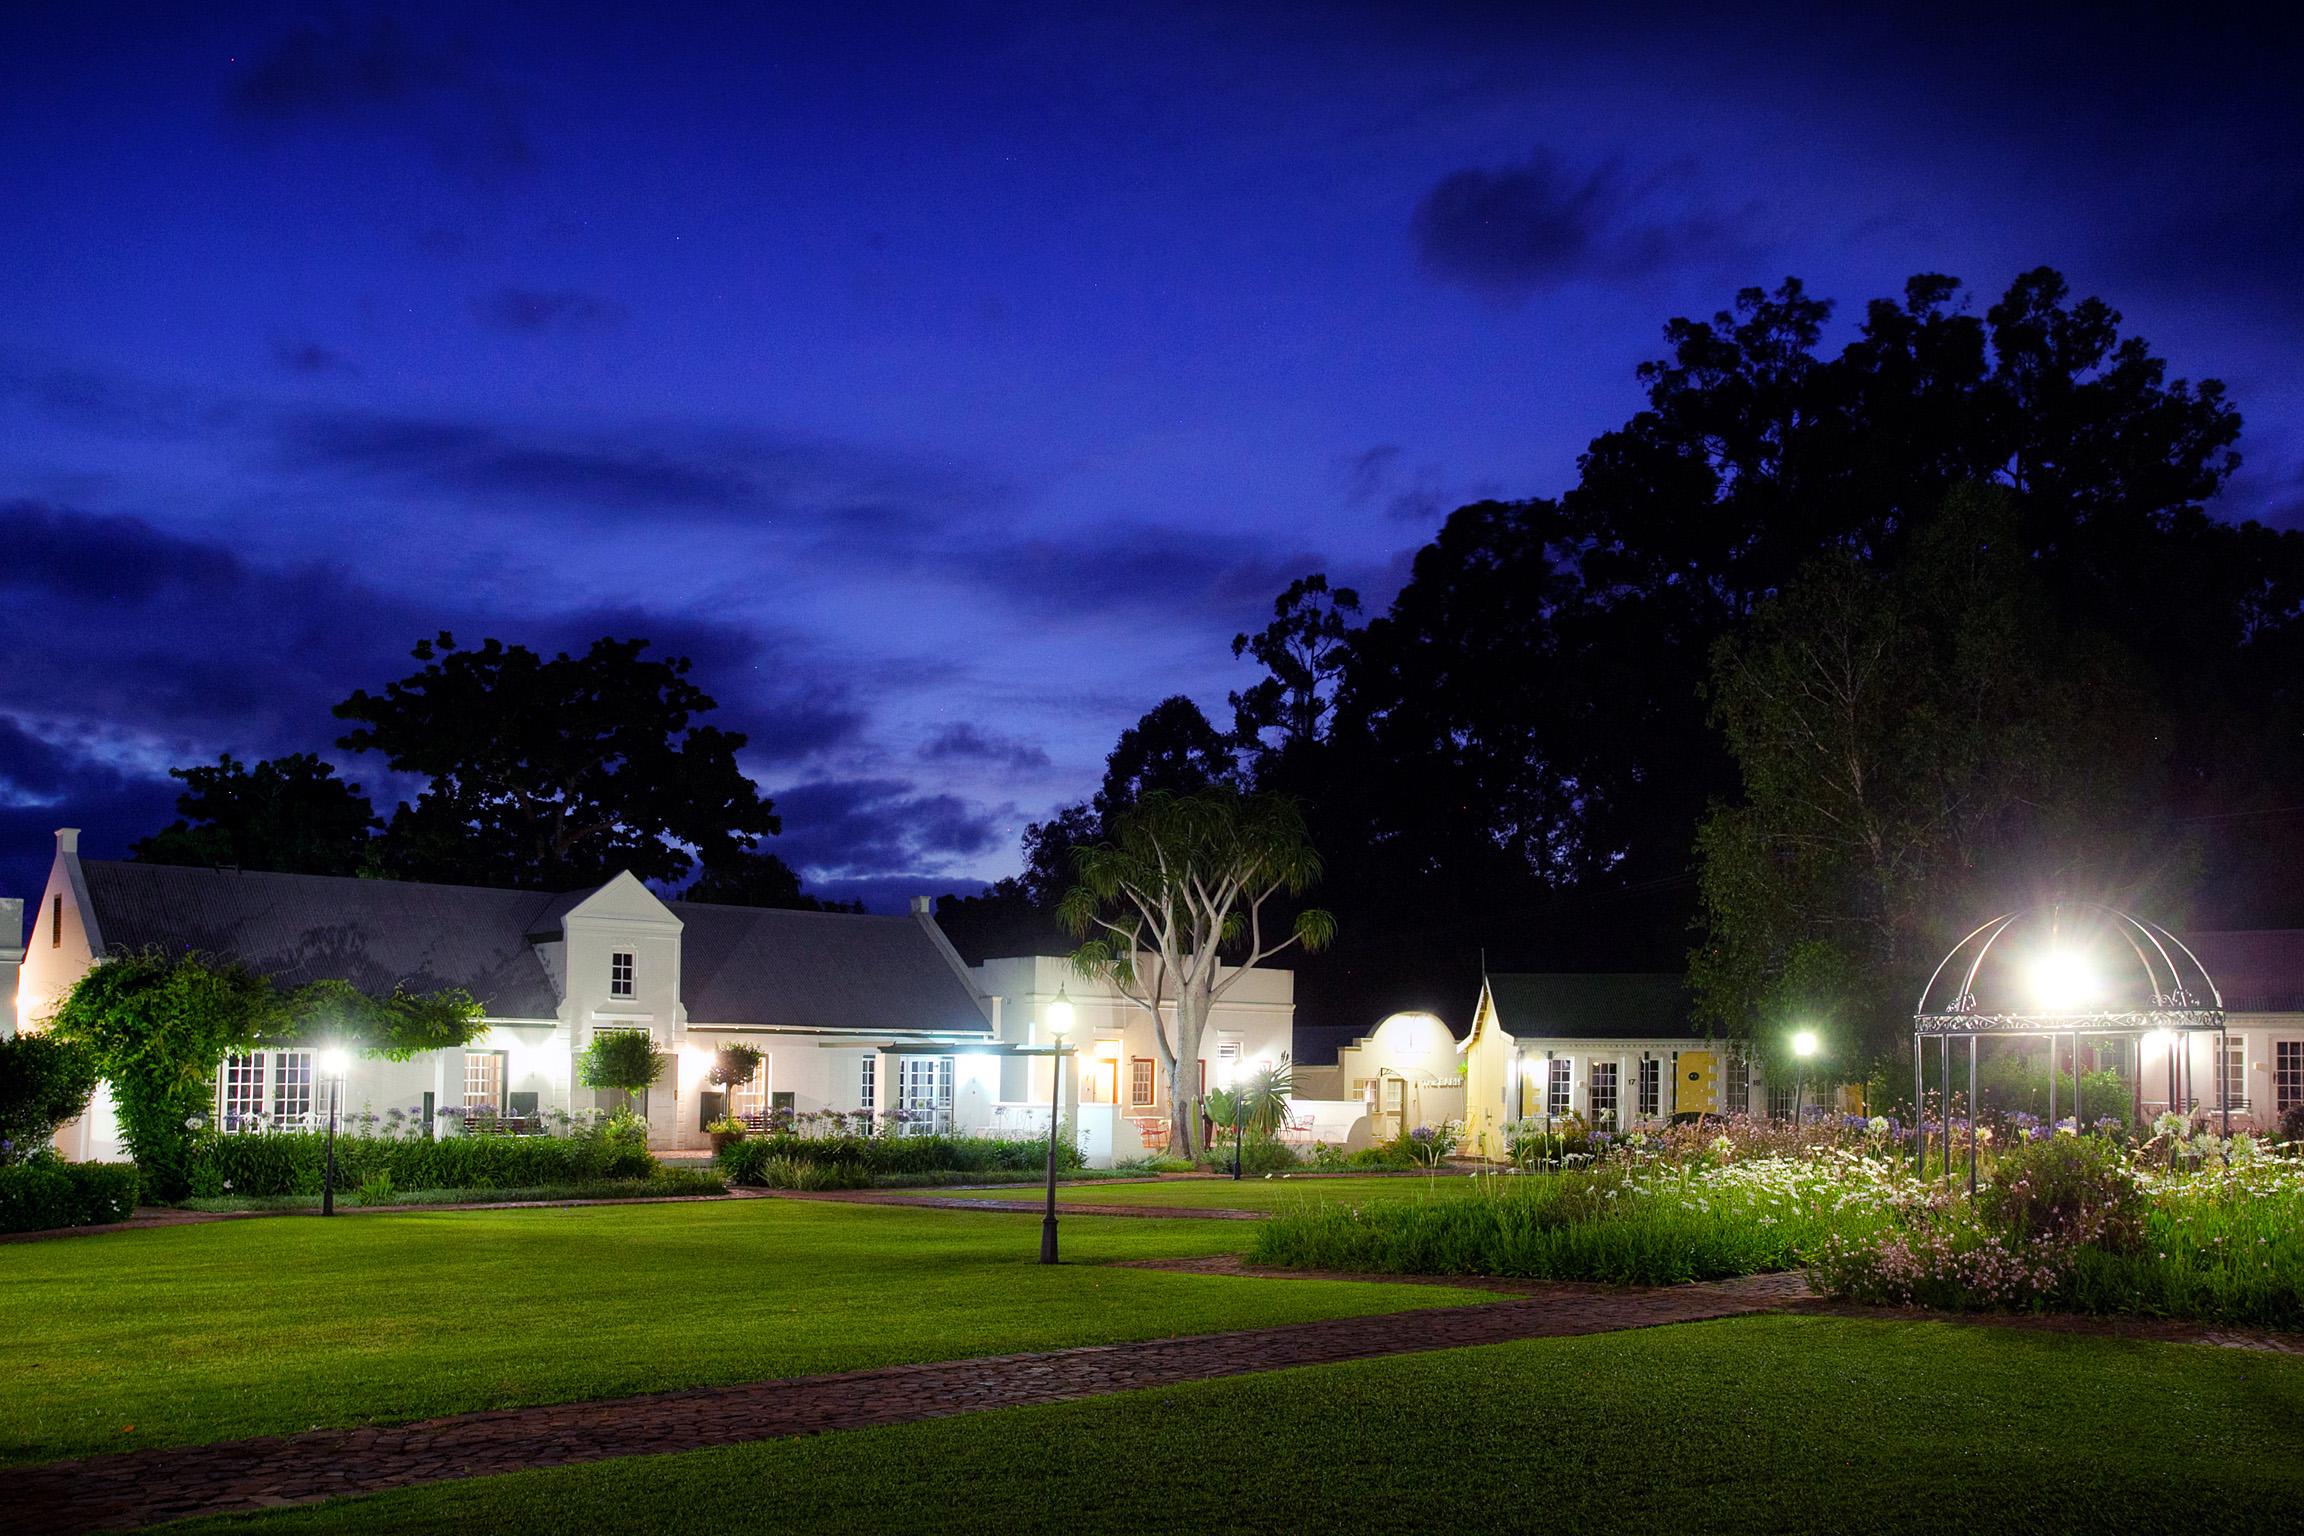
2068,968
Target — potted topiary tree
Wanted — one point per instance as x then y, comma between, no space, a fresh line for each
731,1064
624,1061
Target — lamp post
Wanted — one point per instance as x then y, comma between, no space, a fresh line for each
1803,1047
332,1063
1059,1021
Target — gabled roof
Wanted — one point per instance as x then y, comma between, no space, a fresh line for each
2257,970
373,933
738,965
819,970
1592,1005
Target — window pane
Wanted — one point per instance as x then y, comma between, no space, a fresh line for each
291,1085
483,1082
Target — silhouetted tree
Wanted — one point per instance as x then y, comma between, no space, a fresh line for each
290,814
556,773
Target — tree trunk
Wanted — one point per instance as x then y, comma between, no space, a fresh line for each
1184,1074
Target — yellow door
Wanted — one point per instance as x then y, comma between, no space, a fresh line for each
1696,1084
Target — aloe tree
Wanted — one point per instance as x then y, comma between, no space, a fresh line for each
1182,882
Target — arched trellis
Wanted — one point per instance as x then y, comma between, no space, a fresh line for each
2154,985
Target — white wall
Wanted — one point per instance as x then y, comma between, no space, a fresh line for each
1257,1015
11,959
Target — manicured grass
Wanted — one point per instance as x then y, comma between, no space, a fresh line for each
1766,1423
256,1327
1273,1194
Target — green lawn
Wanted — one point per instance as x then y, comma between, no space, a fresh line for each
1756,1424
1261,1194
256,1327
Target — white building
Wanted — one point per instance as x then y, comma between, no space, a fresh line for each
1118,1081
852,1014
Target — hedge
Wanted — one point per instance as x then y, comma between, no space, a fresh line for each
293,1162
37,1196
868,1157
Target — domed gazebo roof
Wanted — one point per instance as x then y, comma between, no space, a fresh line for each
2065,966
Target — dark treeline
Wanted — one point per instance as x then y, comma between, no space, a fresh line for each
1825,655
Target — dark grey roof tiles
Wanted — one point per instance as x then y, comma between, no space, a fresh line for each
818,970
1565,1005
373,933
739,965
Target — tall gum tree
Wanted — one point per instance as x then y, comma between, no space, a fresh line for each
1181,880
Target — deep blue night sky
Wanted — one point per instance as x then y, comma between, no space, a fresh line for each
951,383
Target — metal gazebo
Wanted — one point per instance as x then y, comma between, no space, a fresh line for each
2067,968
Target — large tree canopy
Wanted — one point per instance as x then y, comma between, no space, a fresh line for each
556,773
1918,744
287,813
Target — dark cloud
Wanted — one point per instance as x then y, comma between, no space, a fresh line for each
1380,476
169,647
849,828
310,357
533,311
1526,228
473,458
378,70
46,784
961,740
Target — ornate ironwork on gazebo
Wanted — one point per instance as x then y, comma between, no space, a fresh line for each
2066,969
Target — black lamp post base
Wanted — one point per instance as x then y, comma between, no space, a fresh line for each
1047,1239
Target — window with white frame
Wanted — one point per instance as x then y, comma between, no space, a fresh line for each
1651,1099
924,1094
1556,1096
867,1079
1783,1091
1739,1074
2287,1074
264,1087
750,1097
291,1086
1140,1082
1227,1062
1600,1093
2235,1071
240,1092
484,1082
620,973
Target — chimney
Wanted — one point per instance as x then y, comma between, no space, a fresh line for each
923,906
67,839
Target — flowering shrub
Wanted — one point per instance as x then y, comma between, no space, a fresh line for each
1428,1146
44,1191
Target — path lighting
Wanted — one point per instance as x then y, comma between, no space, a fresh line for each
1058,1018
333,1060
1803,1047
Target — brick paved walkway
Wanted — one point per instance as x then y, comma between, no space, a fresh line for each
1008,1203
143,1487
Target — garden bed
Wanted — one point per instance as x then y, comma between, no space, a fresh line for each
667,1184
2185,1226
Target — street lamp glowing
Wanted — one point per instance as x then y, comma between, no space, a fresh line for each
2063,981
1058,1015
334,1059
1804,1044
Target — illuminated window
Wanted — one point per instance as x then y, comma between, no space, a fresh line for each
1140,1081
1600,1093
483,1082
241,1092
620,973
924,1095
750,1097
2235,1071
1651,1101
291,1085
1556,1096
